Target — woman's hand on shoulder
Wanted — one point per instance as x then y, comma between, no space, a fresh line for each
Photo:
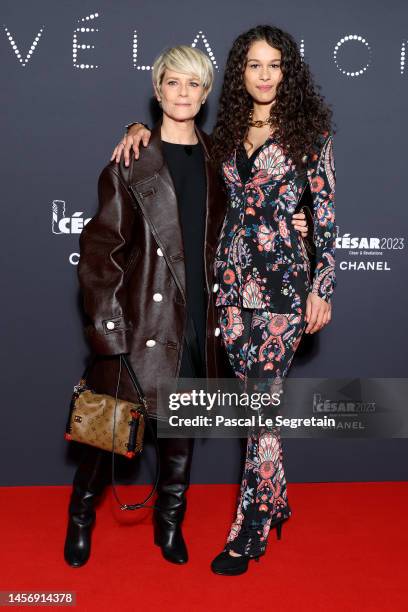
318,313
136,134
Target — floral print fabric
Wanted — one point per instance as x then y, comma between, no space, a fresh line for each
260,345
261,261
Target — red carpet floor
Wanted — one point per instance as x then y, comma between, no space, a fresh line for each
344,548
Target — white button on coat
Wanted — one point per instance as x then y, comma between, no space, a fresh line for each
157,297
150,343
216,287
110,325
159,252
217,331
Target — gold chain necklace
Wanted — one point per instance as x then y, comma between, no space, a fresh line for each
258,123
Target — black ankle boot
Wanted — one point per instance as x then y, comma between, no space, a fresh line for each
78,539
89,481
225,564
175,463
168,535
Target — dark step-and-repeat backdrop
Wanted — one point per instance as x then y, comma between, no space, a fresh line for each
73,74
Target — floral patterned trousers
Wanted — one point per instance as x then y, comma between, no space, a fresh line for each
260,345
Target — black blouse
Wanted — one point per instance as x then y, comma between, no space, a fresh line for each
244,163
187,169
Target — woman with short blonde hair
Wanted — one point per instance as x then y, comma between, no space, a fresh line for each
145,275
186,60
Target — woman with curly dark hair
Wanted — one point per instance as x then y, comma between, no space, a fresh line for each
273,140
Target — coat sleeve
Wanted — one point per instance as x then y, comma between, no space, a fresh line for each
103,243
322,178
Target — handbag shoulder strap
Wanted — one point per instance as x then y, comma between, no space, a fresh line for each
124,361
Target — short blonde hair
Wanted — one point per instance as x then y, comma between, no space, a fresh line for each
186,60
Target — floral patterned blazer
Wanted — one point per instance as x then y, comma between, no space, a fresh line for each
261,261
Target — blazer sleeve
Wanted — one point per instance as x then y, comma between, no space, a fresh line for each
103,243
322,179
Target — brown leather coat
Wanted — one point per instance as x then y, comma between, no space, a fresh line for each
132,274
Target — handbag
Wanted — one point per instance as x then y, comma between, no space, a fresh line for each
111,424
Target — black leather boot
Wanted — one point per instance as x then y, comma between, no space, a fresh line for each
89,482
175,463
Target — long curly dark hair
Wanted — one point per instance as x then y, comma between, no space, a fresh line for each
299,116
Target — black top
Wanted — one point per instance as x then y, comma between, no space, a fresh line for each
244,163
187,169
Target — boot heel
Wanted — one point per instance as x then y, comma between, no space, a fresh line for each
156,538
279,530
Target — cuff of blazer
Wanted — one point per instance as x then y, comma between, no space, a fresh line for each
110,337
324,290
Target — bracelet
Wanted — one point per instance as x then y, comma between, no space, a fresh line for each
136,123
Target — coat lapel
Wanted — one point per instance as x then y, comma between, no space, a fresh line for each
153,188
